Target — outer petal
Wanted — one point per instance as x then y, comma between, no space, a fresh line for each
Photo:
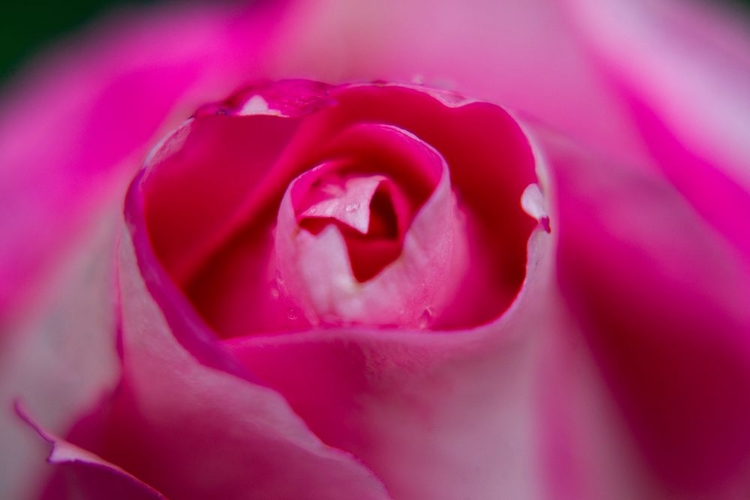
86,476
685,70
61,357
80,121
435,415
520,53
663,301
194,432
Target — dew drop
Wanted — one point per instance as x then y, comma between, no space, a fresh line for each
425,319
292,315
352,207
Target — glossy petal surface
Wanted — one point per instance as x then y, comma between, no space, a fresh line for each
222,255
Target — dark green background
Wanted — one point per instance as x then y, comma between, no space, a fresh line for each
29,25
26,26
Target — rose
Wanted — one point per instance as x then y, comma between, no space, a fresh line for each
691,440
299,140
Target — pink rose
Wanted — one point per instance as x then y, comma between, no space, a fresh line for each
341,291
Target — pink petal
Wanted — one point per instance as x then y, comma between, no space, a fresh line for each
201,177
372,212
235,252
319,278
200,187
351,207
521,54
663,301
435,415
82,474
196,432
60,356
75,125
684,67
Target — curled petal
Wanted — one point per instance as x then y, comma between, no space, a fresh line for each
439,415
196,432
318,276
75,125
228,248
84,475
524,55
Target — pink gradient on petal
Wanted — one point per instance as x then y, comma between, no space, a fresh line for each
693,115
350,205
195,432
230,280
78,120
409,171
662,299
438,415
61,355
84,475
686,61
370,211
466,133
191,193
523,54
202,184
318,273
190,330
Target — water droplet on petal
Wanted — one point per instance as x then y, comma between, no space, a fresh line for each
533,202
352,207
292,315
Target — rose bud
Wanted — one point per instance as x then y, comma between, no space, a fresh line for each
290,218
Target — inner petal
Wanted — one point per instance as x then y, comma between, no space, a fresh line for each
346,200
369,210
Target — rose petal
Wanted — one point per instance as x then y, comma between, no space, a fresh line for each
351,207
524,55
61,355
439,416
693,116
227,291
319,278
663,300
78,121
195,432
82,474
211,166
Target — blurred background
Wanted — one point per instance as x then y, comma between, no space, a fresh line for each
28,26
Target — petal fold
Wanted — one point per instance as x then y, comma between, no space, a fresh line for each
195,432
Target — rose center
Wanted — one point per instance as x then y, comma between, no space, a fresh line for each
369,211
